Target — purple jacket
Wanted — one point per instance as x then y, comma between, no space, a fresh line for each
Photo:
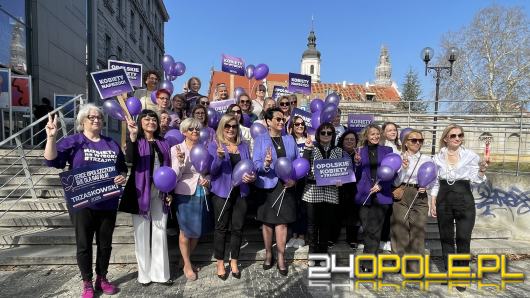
221,170
267,178
364,182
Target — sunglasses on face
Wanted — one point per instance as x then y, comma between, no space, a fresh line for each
284,104
236,111
293,103
191,129
260,91
228,126
326,133
416,141
299,124
454,135
279,119
245,101
94,117
205,103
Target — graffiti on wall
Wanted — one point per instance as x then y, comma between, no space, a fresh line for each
514,201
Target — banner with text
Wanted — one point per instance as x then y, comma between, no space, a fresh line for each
357,122
333,171
233,65
111,82
278,91
133,70
304,115
299,83
89,185
221,105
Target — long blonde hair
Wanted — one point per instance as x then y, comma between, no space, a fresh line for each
405,136
364,134
219,132
442,143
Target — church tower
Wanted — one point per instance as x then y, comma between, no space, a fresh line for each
383,71
311,58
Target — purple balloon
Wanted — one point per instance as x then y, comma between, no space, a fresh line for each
257,129
315,120
427,173
113,109
171,78
333,98
153,97
179,69
392,160
200,158
385,173
403,133
167,62
174,137
249,71
300,168
238,91
311,130
204,136
246,120
165,84
133,105
328,113
261,71
283,168
245,166
165,179
213,118
316,105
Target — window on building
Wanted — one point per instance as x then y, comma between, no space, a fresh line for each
108,46
312,69
132,28
120,11
141,41
370,96
13,43
120,53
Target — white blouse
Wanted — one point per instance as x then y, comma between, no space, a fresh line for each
393,146
405,174
467,168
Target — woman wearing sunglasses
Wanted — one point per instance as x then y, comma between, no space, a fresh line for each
245,103
229,205
373,196
244,131
284,103
452,200
147,151
409,215
192,205
320,201
267,149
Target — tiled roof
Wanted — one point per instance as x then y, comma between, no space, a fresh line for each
350,92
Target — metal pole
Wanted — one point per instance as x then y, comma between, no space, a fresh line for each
519,145
433,147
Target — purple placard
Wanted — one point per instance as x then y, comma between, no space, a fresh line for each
221,105
357,122
133,70
333,171
299,83
305,115
233,65
111,82
278,91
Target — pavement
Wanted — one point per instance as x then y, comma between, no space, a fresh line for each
64,281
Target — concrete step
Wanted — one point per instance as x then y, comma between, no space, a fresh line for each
28,204
15,160
49,219
36,170
42,191
254,251
38,180
39,153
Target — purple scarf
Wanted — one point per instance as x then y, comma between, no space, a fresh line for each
143,176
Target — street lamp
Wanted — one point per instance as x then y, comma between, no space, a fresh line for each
426,55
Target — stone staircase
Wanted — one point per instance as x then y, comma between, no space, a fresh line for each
40,232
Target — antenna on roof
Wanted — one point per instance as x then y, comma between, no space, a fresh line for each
312,22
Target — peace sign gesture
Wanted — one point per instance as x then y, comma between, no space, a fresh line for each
220,150
51,126
180,155
309,142
268,157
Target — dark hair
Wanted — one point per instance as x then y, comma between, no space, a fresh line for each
182,111
291,127
188,84
46,101
229,111
343,136
261,87
321,127
383,138
197,107
144,114
270,113
149,72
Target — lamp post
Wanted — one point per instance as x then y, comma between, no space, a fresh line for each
426,55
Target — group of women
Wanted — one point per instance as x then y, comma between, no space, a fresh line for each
308,212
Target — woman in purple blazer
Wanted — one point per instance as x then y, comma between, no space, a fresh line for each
374,197
229,205
267,149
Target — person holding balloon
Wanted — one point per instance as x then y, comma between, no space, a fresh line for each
321,201
99,218
148,152
147,96
373,187
231,171
411,207
191,162
273,154
452,201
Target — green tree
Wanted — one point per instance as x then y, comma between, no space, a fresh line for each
410,96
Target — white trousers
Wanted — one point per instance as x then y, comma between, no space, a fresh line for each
152,256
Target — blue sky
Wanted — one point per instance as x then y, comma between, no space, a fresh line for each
349,34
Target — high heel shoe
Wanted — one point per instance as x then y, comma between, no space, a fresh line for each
223,276
283,272
236,274
268,266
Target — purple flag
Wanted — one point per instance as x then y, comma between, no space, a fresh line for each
357,122
133,70
221,105
233,65
111,82
278,91
332,171
299,83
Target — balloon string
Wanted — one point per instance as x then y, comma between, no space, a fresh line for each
281,194
281,201
205,200
226,201
371,193
417,193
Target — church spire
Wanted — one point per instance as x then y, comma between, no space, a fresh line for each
311,56
383,71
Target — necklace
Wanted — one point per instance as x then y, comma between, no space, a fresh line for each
276,144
